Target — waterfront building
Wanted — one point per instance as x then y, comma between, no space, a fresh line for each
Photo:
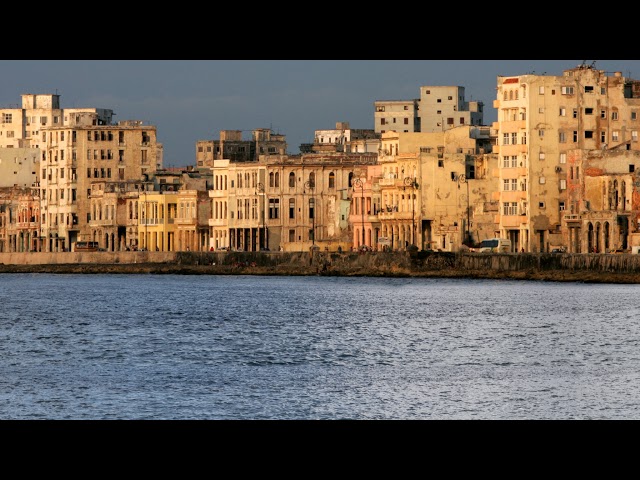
543,120
76,156
436,189
19,219
288,202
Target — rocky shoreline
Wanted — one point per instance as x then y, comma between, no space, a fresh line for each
556,275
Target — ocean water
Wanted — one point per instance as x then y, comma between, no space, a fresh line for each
93,347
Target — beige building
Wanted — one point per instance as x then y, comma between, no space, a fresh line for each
439,108
232,147
19,167
303,198
83,153
345,139
435,189
21,126
541,119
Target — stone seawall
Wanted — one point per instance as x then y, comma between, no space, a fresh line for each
594,268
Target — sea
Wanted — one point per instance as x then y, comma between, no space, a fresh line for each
217,347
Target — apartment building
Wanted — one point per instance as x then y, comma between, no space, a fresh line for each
288,202
435,189
343,138
542,119
439,108
232,147
21,126
76,156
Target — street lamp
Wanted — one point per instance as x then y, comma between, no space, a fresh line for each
310,185
260,189
412,182
358,183
461,178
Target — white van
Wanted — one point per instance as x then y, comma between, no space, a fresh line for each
494,245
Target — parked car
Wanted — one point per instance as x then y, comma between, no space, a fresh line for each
558,250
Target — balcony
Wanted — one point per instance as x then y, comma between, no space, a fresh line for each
572,218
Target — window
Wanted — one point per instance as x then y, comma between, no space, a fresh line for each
406,121
541,155
292,236
292,208
505,139
614,115
562,137
575,113
634,116
575,136
514,184
505,162
449,97
540,204
514,138
524,138
588,111
603,136
332,180
588,89
563,112
603,114
563,184
506,185
541,110
514,161
510,208
634,135
567,90
541,90
274,208
292,179
541,132
563,158
7,118
561,206
615,135
588,134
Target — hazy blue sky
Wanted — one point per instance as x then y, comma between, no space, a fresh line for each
191,100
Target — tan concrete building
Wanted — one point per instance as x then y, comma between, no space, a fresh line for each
303,198
232,147
80,154
439,108
345,139
435,189
541,119
19,167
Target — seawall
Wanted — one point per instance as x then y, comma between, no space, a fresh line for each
593,268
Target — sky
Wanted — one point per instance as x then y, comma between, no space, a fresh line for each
192,100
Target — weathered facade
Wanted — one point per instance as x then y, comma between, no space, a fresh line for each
232,147
81,154
19,219
541,119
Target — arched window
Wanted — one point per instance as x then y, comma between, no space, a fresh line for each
277,179
516,94
510,94
332,180
271,179
312,179
292,179
506,96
